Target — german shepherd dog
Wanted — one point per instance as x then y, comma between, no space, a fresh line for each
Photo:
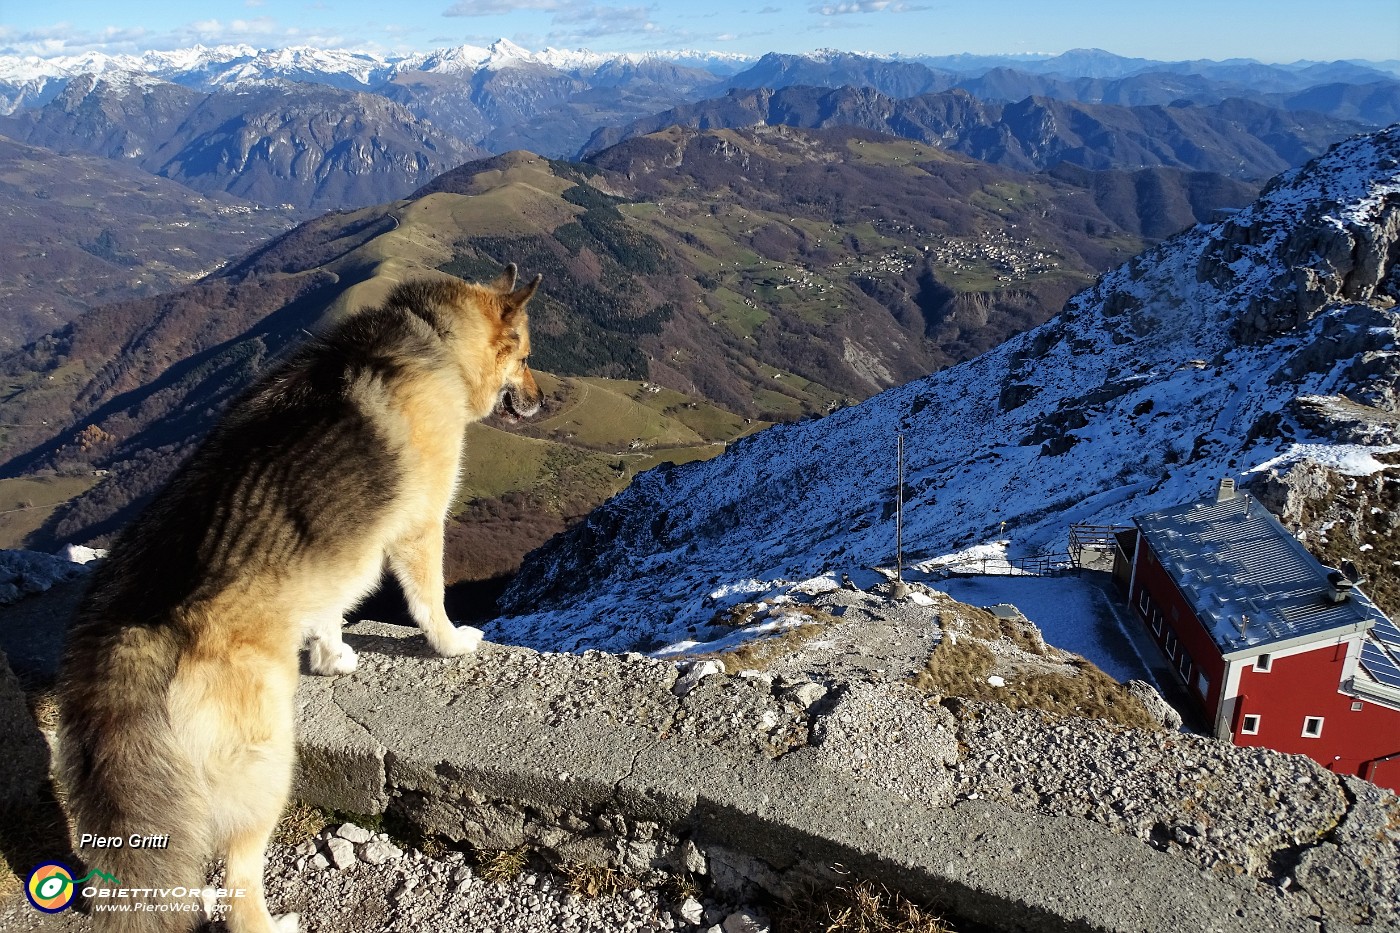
179,670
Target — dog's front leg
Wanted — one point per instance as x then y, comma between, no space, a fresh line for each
416,560
329,654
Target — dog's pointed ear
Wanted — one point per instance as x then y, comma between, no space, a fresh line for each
515,301
505,281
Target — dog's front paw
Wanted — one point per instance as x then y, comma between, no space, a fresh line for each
330,660
461,639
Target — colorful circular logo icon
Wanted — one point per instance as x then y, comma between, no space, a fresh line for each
50,887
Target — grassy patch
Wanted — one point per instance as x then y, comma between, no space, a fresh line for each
300,822
762,651
776,406
961,663
740,316
859,907
26,502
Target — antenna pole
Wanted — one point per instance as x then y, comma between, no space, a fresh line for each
899,513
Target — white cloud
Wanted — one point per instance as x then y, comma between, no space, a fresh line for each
66,39
497,7
591,22
862,6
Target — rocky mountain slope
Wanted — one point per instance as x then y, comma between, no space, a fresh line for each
1259,347
272,142
1235,137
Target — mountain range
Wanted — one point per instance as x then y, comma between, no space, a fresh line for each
1235,137
771,255
504,97
1259,348
310,147
713,277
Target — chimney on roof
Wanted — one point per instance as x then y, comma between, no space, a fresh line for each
1338,587
1226,492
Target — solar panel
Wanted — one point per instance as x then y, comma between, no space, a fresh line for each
1387,632
1379,664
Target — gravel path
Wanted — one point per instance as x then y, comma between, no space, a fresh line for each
370,885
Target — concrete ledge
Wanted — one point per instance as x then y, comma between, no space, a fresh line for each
595,758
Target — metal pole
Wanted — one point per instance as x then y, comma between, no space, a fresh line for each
899,514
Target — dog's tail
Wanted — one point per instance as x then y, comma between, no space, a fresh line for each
140,817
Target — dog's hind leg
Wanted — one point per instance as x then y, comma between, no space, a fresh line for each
249,814
244,875
328,653
416,559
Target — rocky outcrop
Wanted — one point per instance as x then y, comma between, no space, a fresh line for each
1297,258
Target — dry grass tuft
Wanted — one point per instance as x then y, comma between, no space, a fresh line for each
597,880
502,864
299,823
859,907
760,652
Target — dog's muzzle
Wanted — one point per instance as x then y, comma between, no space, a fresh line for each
513,405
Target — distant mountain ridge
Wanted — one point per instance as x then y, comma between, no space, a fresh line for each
1234,137
270,141
503,96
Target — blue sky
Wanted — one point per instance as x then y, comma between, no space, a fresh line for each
1269,30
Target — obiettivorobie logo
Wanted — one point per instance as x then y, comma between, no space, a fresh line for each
51,886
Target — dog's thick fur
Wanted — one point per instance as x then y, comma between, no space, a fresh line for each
178,676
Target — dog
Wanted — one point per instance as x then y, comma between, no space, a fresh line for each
176,689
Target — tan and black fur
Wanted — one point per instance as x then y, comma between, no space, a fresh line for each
178,676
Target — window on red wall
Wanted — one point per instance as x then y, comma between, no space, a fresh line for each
1264,663
1250,725
1312,727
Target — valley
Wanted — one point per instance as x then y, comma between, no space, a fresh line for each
699,285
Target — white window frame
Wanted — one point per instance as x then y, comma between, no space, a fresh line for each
1244,724
1308,731
1357,706
1264,663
